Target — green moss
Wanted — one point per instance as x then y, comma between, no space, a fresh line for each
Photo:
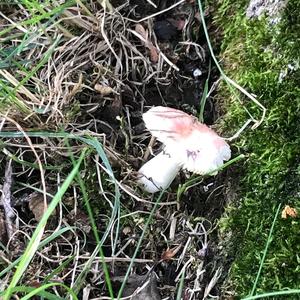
256,54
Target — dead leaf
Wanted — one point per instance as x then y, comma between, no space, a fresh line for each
170,253
34,283
5,200
3,235
36,205
104,90
126,230
80,220
153,54
140,30
289,212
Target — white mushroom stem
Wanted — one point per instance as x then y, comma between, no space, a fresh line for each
190,145
158,173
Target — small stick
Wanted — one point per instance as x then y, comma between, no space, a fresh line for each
149,148
128,192
153,4
35,154
157,13
237,134
6,199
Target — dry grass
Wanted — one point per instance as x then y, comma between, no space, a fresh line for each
81,75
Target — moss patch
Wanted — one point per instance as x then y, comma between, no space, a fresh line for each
265,59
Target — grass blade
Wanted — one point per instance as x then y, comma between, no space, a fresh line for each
95,230
36,291
180,288
269,240
41,245
139,244
228,80
27,289
38,233
204,95
274,294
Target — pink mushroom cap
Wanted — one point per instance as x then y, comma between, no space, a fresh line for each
194,145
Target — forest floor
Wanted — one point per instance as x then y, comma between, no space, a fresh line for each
76,77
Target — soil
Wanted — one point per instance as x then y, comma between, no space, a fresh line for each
199,208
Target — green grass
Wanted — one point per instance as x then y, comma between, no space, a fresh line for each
11,57
23,96
19,265
265,248
254,53
36,237
36,243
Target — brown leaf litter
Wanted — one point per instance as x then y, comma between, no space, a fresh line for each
105,70
37,205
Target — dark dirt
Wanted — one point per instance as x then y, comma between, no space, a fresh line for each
182,90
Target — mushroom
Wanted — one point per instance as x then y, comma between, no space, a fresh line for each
158,173
188,144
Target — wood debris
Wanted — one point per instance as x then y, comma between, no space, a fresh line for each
6,200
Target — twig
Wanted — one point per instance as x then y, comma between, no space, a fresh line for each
35,154
152,3
237,134
6,199
157,13
127,191
114,259
149,148
212,283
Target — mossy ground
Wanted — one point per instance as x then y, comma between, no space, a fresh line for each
59,95
264,58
